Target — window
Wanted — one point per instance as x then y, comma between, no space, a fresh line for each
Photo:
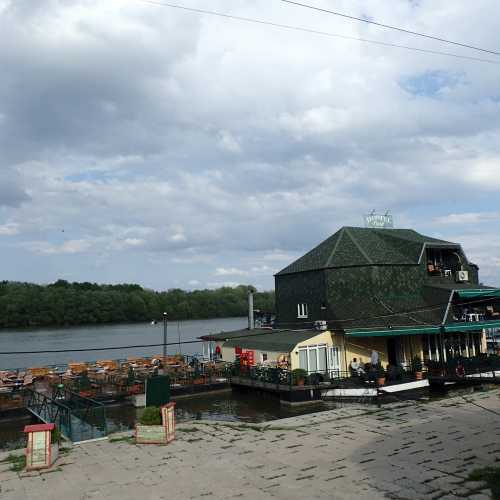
313,358
303,359
302,311
263,357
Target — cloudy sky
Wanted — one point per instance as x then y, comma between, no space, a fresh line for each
141,143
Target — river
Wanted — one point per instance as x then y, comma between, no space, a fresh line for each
82,337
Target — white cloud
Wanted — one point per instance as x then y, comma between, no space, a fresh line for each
209,144
263,270
468,218
128,243
68,247
279,256
228,143
219,284
230,271
9,229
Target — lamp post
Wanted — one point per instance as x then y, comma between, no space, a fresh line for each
164,338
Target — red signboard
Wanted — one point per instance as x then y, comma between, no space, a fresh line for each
247,358
250,358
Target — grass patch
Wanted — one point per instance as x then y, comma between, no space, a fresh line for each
17,462
122,439
491,476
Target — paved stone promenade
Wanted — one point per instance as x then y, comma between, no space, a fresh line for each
404,451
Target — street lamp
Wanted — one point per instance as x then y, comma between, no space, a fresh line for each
164,338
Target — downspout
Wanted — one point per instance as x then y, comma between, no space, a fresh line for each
447,308
345,356
441,328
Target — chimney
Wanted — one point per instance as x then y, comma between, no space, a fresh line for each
251,324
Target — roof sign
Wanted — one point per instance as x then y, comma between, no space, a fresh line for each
377,221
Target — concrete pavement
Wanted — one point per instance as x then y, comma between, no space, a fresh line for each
403,451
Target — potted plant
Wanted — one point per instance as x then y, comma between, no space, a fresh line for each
435,368
298,376
416,365
150,416
150,430
380,374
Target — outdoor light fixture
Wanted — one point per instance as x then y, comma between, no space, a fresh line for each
164,338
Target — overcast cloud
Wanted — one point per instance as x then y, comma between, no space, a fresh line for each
147,144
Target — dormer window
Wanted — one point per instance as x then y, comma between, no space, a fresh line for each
444,262
302,311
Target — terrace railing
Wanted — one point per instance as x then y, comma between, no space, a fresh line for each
78,418
484,366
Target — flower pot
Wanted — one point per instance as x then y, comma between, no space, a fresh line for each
300,381
381,381
418,375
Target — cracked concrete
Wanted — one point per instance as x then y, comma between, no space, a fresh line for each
403,451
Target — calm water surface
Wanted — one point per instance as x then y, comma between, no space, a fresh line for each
81,337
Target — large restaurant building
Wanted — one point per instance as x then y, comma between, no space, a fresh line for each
393,291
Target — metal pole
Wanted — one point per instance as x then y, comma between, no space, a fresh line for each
179,336
164,338
442,347
251,324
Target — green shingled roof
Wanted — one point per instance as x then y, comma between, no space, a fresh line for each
227,335
358,246
270,340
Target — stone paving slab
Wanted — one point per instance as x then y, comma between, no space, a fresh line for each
404,451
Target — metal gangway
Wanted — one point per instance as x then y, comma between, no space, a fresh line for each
78,418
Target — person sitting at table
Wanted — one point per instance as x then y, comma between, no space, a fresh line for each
356,367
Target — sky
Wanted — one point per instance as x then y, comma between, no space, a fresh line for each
146,144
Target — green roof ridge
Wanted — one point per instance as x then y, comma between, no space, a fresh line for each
358,246
373,246
329,261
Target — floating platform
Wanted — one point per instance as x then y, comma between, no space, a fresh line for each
406,386
333,390
350,392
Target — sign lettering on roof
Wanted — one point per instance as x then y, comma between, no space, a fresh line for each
379,221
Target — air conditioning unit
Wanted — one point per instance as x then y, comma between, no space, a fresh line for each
462,276
320,324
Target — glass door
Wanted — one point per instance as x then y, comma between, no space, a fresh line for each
333,362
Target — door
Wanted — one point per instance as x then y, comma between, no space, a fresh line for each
392,351
333,362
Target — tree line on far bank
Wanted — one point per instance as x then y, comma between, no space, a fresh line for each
63,303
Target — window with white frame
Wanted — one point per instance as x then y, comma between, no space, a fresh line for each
313,358
302,311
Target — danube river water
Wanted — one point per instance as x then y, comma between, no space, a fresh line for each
82,337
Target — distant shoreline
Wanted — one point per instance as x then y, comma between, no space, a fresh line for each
98,325
64,304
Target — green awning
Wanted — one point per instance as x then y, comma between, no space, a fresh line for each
393,332
472,325
478,293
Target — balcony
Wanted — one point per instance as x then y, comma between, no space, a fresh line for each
444,263
464,313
